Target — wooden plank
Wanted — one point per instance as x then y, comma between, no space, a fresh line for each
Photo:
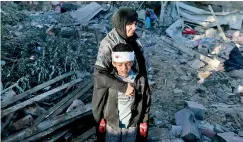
7,121
85,135
212,62
49,126
38,98
15,84
64,106
64,101
35,89
189,51
162,11
57,136
217,23
53,129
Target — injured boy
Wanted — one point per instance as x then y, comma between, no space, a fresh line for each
124,118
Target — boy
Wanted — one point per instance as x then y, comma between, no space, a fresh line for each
124,115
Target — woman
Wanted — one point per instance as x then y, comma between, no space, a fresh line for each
124,26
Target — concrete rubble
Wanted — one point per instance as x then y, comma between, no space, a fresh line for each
196,74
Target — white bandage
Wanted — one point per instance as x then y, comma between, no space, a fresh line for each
122,56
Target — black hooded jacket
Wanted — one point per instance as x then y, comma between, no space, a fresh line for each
103,79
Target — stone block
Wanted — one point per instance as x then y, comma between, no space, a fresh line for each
229,137
186,119
196,64
206,129
198,109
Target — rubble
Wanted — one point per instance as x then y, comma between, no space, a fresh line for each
176,130
198,109
185,118
196,64
48,57
229,137
155,134
85,14
206,129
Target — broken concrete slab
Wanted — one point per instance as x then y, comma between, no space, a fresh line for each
175,30
203,50
204,18
198,109
229,137
84,14
196,64
186,118
176,131
206,129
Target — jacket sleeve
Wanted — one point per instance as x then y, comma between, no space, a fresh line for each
106,80
103,68
147,65
147,101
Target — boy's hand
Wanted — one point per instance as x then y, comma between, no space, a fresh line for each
143,129
130,90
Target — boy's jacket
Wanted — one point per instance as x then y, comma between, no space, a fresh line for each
104,101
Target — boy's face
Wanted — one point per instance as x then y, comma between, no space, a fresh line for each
123,68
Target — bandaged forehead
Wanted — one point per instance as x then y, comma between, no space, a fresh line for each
122,56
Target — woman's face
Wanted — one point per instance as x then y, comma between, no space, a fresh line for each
130,29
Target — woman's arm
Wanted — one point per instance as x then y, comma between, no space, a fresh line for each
103,68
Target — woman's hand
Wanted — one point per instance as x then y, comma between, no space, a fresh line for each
130,90
143,129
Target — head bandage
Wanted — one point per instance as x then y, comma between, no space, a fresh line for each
122,56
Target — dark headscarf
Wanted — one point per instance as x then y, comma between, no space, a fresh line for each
123,17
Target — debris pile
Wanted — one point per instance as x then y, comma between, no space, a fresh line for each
195,69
